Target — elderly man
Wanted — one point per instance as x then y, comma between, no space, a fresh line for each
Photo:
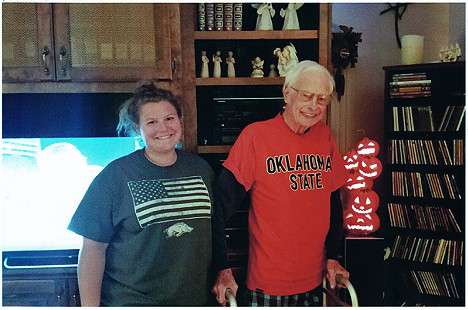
292,169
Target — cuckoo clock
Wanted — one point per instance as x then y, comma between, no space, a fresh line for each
344,53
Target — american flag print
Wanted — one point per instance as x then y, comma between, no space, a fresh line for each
170,200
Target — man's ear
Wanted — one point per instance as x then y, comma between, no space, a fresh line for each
286,94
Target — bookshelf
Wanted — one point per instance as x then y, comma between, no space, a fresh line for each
425,169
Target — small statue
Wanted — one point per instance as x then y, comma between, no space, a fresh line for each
204,69
291,22
231,71
286,58
265,12
257,67
217,64
272,71
450,54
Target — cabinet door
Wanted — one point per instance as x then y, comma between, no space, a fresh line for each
33,293
112,41
27,46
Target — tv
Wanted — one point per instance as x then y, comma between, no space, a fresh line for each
53,145
44,180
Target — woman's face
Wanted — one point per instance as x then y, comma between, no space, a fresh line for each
160,127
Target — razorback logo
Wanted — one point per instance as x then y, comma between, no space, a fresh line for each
177,230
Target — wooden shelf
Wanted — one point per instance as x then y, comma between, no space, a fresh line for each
256,35
240,81
206,149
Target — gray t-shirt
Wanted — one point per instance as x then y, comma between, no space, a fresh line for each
157,222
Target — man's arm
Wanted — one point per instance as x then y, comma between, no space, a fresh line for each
228,196
333,240
335,232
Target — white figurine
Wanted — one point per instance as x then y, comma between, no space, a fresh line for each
204,70
272,71
291,22
265,12
286,58
231,71
217,64
450,54
257,67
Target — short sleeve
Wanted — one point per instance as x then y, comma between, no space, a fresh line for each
93,217
241,159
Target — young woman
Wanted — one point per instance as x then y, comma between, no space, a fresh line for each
146,218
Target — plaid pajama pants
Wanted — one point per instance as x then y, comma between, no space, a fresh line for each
311,298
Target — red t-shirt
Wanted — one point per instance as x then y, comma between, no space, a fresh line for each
290,178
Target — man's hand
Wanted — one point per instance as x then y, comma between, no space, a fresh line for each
334,268
224,281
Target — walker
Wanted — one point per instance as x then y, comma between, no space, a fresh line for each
329,296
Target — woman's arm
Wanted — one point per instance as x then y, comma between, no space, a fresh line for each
91,262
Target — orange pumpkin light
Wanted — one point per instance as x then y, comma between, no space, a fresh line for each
367,147
361,224
370,167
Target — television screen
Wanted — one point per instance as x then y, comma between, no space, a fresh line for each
44,180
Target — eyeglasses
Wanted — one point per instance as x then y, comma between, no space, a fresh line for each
305,96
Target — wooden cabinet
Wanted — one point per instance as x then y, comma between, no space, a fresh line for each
312,42
425,173
42,287
86,42
40,278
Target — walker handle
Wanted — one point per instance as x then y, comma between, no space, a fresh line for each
230,297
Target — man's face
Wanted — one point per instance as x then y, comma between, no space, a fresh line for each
306,101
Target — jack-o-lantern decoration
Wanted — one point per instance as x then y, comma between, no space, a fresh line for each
358,182
351,159
363,202
370,167
361,224
363,166
367,147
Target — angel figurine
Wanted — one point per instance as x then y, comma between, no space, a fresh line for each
291,22
257,64
204,70
217,64
286,58
265,12
231,71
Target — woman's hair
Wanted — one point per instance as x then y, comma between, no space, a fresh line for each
304,67
129,114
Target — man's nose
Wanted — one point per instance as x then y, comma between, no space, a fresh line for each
313,103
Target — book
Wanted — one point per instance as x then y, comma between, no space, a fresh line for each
201,17
237,8
415,82
219,16
228,16
409,76
456,118
209,16
409,89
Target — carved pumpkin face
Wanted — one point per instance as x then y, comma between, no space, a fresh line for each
370,167
363,202
351,160
358,182
367,147
361,224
